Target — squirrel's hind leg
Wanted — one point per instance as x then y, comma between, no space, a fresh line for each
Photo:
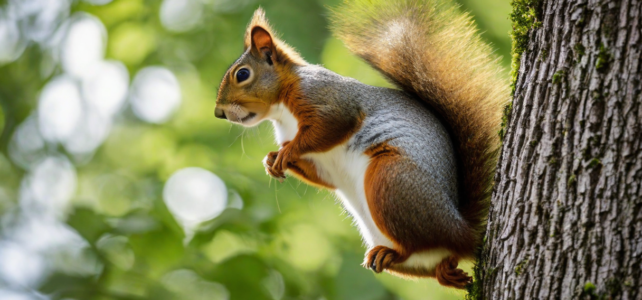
382,258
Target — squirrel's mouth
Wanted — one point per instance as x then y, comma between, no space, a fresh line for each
249,116
238,114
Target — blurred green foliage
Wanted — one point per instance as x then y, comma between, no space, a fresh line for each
289,241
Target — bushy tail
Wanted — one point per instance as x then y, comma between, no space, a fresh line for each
431,50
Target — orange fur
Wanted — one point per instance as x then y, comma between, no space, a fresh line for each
315,134
382,161
433,51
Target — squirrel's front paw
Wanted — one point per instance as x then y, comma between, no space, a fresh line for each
284,157
268,163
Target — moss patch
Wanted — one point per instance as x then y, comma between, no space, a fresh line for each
526,15
480,271
505,118
579,50
571,180
475,289
594,163
552,161
520,267
589,289
603,59
558,76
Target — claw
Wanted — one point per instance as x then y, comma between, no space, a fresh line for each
268,163
381,258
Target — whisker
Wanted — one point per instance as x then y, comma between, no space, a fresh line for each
294,189
242,144
276,196
236,138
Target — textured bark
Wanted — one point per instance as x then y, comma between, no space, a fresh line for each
566,216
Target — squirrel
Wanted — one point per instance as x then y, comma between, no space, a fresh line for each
413,166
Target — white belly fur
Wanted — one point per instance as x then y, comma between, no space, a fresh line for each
345,169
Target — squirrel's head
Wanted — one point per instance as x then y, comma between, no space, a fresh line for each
257,79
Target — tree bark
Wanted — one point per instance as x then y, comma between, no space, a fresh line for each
566,215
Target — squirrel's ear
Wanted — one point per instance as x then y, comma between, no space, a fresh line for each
259,38
263,45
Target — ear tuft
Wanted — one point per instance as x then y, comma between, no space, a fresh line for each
258,20
262,40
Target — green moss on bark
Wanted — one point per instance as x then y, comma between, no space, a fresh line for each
558,76
594,163
526,15
603,59
580,50
505,117
475,288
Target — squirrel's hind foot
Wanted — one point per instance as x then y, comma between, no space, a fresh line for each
448,274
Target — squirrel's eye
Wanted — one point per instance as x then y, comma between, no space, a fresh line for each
242,75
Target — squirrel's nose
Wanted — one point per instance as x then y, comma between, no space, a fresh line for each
219,113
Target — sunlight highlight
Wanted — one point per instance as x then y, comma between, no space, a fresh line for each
84,46
59,109
180,15
194,195
155,94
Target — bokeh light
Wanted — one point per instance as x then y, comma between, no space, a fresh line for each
48,188
195,195
59,109
180,15
105,89
38,18
21,267
11,45
83,47
155,94
27,146
89,133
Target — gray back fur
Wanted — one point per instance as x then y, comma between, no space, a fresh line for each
394,117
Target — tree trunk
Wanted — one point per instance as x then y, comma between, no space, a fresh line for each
566,216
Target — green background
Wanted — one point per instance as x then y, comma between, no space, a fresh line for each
289,241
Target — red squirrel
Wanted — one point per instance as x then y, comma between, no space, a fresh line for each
413,166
